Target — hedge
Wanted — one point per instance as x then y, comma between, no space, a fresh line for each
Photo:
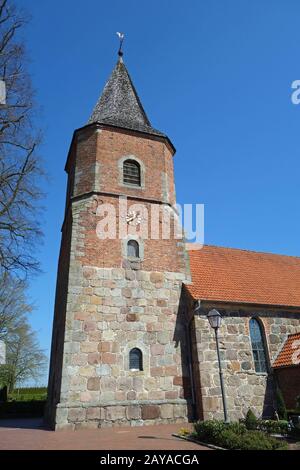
21,409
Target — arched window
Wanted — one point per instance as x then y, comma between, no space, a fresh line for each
132,173
258,345
133,249
135,359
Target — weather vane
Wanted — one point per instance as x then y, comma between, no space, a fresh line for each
121,37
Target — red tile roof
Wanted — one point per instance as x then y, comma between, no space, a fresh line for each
240,276
290,353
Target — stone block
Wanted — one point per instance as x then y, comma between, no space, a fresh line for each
93,358
163,337
124,383
103,370
180,411
76,415
167,411
274,339
153,395
109,358
231,354
85,396
246,365
150,412
131,395
93,383
117,273
211,404
156,277
157,371
95,300
232,329
61,415
178,380
88,347
157,349
65,427
93,413
108,384
104,346
126,292
77,383
114,413
87,371
133,412
131,317
130,275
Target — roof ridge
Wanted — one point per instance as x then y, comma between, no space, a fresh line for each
290,335
247,251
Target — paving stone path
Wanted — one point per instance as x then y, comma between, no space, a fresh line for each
30,434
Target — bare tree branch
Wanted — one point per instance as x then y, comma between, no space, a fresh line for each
20,166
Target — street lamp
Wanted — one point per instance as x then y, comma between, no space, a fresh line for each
215,320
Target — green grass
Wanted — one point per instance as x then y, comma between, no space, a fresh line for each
28,394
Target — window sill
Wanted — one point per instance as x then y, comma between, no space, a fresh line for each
135,373
133,259
132,186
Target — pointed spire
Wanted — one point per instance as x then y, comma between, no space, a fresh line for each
119,104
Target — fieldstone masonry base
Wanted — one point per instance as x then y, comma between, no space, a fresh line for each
109,312
120,414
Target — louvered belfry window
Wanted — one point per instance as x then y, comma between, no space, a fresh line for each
131,173
135,359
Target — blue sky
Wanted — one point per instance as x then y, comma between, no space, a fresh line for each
215,75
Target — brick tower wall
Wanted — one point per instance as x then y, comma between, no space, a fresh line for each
106,305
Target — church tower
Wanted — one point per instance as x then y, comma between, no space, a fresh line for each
118,354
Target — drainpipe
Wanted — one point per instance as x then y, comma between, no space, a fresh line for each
190,360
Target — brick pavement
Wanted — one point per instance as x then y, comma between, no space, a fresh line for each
30,434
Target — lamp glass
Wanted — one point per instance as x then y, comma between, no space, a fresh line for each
214,318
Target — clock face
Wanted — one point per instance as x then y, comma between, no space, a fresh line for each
133,218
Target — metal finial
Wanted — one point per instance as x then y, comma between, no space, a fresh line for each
121,37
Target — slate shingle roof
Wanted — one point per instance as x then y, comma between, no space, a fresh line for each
240,276
290,353
119,104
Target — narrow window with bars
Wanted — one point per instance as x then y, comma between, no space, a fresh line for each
135,359
131,173
258,346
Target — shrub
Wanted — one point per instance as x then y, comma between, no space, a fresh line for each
272,426
235,436
257,440
209,430
281,408
251,420
229,439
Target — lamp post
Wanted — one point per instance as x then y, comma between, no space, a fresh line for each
215,320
